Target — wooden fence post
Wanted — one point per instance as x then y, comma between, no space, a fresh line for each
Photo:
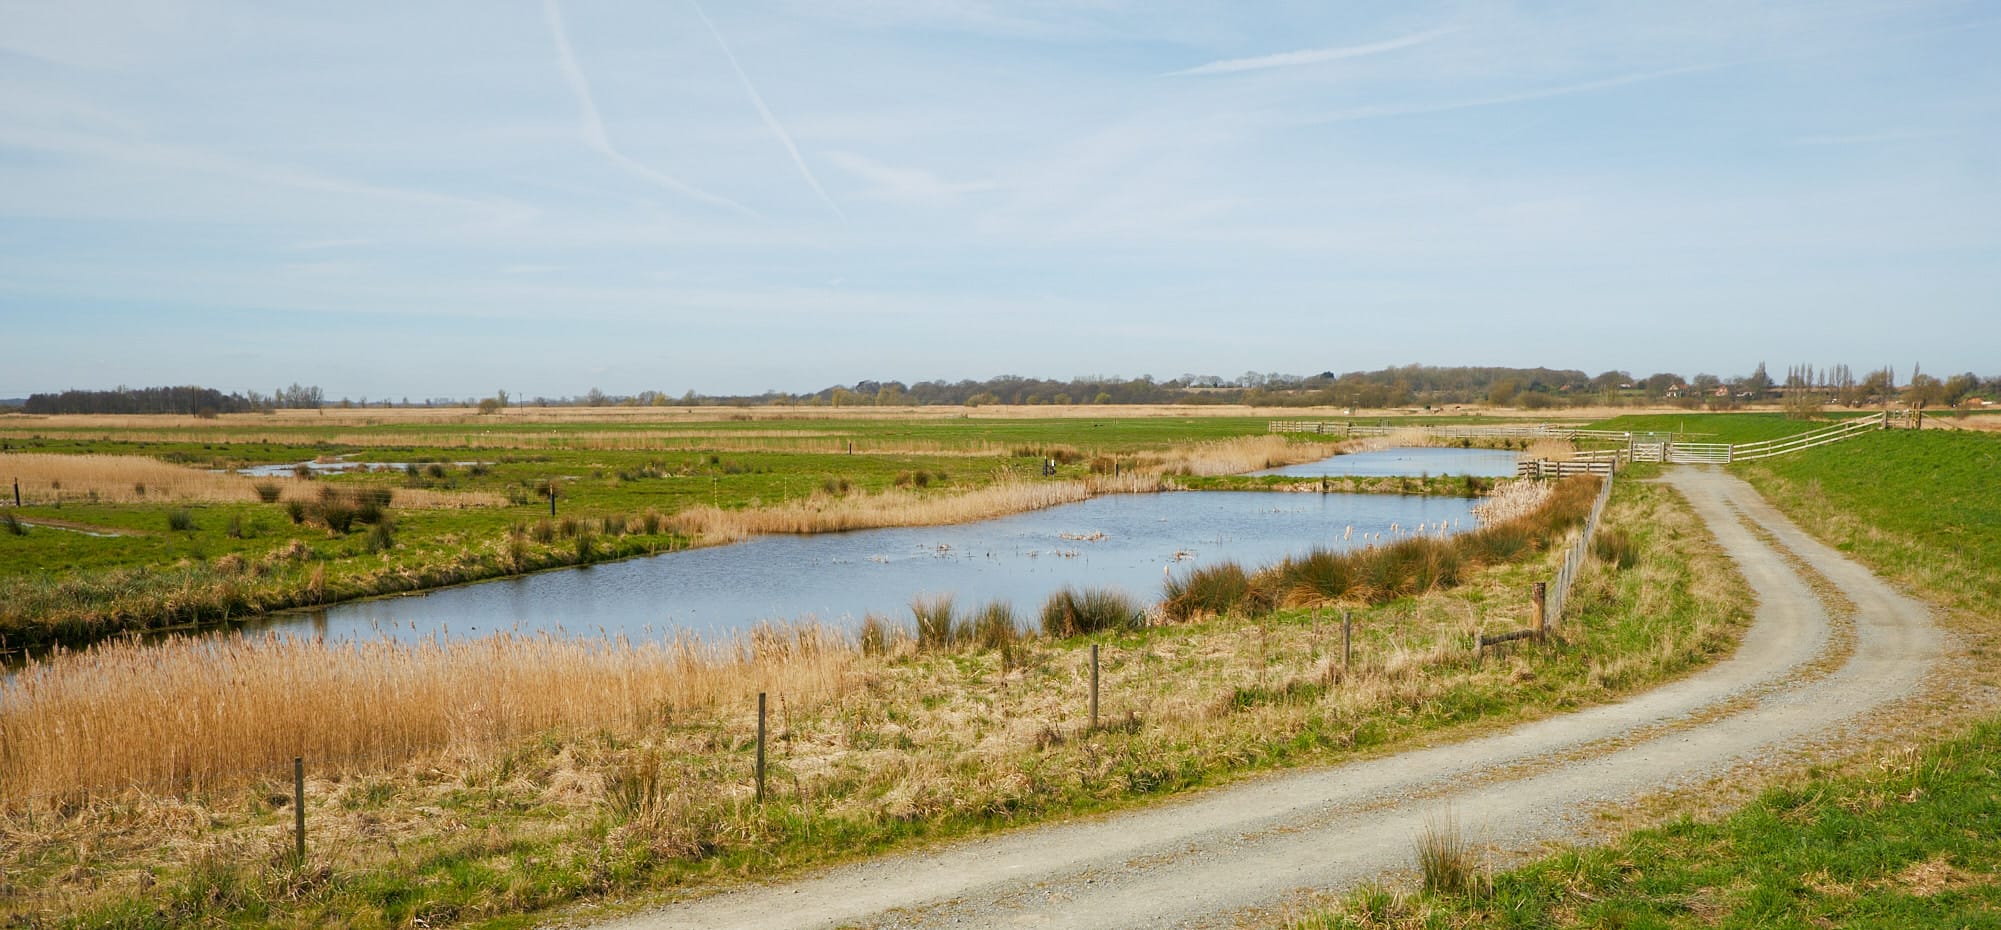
1347,640
1094,686
1539,592
760,747
299,808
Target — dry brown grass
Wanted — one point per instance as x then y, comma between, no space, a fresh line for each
46,478
188,714
1512,500
1233,456
1554,450
824,513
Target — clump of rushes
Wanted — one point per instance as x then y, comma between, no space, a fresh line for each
543,531
381,536
1070,612
1446,859
874,635
1209,591
268,491
1614,546
934,622
180,520
992,626
12,525
1417,564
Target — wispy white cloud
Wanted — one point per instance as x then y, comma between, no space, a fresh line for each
1869,138
1565,90
906,184
1311,56
594,132
181,158
770,121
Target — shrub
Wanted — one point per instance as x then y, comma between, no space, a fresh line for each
1070,612
268,491
180,520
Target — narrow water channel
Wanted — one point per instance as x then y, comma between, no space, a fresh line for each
1128,542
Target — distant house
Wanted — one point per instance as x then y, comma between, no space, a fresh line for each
1720,392
1678,390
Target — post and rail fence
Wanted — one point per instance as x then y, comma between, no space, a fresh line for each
1637,447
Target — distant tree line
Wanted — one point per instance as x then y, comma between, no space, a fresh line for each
1804,390
189,400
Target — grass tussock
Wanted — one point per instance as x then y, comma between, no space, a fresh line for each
1446,859
1071,612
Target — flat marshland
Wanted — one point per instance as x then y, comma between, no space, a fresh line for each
120,533
467,782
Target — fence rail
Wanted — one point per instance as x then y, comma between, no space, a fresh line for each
1538,431
1808,440
1546,468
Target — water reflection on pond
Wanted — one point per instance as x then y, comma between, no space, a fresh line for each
1412,461
1121,541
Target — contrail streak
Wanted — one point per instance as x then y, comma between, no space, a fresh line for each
1311,56
770,121
593,127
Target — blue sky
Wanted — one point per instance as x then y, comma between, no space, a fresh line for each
443,199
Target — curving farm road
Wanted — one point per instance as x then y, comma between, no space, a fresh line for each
1211,859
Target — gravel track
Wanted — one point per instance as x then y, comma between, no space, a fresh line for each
1218,857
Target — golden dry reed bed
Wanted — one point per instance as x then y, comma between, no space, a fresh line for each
1009,495
188,714
137,478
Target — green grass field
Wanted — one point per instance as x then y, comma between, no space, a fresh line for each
1721,427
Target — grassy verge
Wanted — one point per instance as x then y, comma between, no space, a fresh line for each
912,745
1903,840
1907,845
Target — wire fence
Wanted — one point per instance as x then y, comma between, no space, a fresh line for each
1573,561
